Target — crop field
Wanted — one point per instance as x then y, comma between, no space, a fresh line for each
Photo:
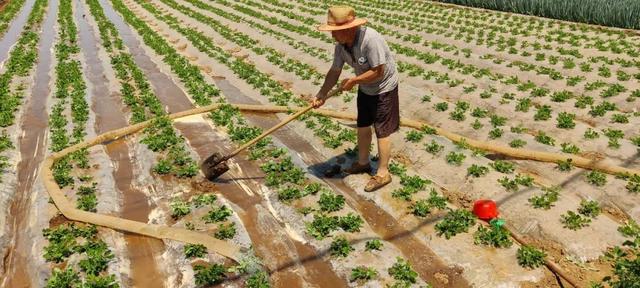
539,115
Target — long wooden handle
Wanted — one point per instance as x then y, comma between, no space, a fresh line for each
278,126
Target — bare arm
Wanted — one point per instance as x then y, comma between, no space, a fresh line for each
330,80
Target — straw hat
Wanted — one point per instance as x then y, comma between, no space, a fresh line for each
340,18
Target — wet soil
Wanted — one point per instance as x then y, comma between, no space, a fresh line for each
141,250
426,263
268,238
33,143
266,233
295,143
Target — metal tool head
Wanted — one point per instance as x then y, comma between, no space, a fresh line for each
214,166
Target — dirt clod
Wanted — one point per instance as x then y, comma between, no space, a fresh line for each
442,278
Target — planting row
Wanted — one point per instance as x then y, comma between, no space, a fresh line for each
613,89
12,80
7,14
466,21
569,57
68,241
572,90
564,120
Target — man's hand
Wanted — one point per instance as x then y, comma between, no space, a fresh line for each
319,100
347,84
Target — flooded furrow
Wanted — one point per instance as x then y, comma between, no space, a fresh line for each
270,241
267,236
33,143
286,257
106,104
109,113
15,29
423,259
141,250
319,269
176,97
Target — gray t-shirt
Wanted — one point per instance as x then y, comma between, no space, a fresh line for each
369,50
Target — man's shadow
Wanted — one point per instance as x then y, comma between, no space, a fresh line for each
334,167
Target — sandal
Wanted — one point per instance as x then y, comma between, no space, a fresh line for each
357,168
376,182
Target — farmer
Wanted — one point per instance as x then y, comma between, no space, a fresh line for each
366,51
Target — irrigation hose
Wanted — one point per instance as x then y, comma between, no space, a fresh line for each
232,251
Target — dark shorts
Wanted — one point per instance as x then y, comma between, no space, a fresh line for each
382,111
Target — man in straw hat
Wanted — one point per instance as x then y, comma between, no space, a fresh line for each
366,51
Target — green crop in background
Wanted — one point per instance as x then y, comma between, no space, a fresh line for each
614,13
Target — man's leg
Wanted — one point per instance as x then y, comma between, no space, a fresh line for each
364,142
384,151
367,106
387,122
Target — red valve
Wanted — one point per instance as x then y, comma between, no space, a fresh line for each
485,209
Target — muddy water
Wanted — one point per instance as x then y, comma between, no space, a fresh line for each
317,268
285,257
108,109
268,236
33,145
177,99
15,28
422,258
107,116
